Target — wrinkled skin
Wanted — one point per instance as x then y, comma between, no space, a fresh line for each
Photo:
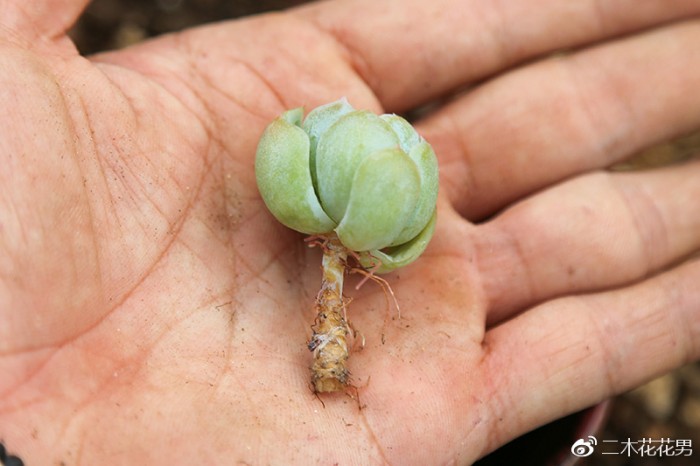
153,312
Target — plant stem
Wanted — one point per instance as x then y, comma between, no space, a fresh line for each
330,330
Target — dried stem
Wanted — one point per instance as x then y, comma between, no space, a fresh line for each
330,330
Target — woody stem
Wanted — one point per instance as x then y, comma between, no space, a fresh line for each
330,331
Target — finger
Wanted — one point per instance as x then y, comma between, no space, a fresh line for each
574,352
588,234
412,51
560,117
39,20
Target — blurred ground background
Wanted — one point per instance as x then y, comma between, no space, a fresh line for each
668,407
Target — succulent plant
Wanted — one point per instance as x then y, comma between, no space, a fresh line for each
372,180
365,185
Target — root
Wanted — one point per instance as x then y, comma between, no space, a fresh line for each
369,275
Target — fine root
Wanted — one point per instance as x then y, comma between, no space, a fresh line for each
369,275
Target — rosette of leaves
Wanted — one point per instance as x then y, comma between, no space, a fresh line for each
361,183
369,179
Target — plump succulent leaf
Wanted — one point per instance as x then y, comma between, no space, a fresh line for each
389,259
408,137
384,194
341,149
284,181
317,122
426,162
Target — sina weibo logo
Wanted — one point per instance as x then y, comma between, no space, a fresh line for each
582,447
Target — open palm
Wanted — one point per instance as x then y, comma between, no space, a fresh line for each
153,312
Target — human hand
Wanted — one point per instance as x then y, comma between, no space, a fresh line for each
154,312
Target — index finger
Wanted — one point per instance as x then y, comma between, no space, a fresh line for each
411,51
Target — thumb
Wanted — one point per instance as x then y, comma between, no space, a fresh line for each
38,20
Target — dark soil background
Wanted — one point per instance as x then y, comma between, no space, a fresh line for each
668,407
